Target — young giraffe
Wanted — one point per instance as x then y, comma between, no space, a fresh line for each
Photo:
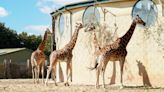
38,59
64,55
115,52
95,43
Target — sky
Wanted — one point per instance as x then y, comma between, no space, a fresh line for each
31,16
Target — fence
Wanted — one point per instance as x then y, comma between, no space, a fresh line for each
15,70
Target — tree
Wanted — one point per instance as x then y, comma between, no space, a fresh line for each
8,37
29,41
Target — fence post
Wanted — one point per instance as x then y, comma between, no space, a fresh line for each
5,68
9,69
28,68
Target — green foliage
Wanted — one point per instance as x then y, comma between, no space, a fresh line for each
29,41
10,39
47,50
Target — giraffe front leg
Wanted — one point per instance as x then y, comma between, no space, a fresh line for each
71,71
42,70
33,75
38,72
67,73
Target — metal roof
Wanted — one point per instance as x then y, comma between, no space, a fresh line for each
10,50
82,4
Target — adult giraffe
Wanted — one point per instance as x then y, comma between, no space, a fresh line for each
64,55
115,52
38,59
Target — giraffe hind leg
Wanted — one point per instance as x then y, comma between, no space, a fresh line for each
33,73
121,70
48,73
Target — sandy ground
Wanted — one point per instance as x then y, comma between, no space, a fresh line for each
27,85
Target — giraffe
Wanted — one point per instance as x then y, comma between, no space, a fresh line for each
114,52
38,59
64,55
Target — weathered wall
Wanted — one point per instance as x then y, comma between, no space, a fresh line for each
145,46
18,61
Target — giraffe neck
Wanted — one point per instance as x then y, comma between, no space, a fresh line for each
42,44
126,38
73,40
95,42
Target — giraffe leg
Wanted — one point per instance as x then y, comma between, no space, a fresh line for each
97,77
48,73
38,72
67,76
54,73
42,71
71,71
121,70
103,72
33,75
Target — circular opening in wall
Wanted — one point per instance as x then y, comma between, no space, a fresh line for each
91,15
147,10
61,24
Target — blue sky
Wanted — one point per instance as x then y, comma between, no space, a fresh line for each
31,16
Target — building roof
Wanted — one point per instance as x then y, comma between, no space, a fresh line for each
81,4
10,50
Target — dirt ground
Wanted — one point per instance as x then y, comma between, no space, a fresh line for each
27,85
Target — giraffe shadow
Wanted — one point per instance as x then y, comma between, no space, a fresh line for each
113,77
142,72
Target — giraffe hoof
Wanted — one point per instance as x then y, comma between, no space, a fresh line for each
56,84
121,87
66,84
97,87
104,87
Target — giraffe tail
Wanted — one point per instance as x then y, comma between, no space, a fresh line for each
92,68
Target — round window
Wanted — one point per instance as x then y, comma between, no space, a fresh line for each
147,10
61,24
91,15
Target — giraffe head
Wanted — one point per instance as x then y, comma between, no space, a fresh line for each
79,25
90,27
138,20
48,31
